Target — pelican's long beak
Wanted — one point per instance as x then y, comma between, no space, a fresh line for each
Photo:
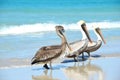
67,42
100,33
86,32
62,31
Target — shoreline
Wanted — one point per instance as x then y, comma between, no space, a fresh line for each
22,63
95,69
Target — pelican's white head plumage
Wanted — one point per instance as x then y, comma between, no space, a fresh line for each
81,22
84,30
98,32
94,26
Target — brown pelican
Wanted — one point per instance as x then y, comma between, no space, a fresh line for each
81,44
96,44
47,54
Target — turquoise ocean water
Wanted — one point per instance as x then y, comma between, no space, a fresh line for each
27,25
15,12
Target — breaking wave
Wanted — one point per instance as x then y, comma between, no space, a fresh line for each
43,27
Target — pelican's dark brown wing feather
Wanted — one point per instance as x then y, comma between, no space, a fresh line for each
98,45
50,47
95,47
44,55
44,50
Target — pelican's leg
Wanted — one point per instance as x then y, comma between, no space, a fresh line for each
75,59
77,55
50,64
89,54
82,56
90,57
46,66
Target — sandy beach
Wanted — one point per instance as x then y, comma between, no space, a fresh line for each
104,67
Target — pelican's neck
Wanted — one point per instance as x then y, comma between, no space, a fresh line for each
98,36
62,37
83,34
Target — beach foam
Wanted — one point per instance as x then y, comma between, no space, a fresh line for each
43,27
9,67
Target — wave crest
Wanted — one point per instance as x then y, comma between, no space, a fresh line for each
42,27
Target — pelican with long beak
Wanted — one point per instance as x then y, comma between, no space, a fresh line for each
81,44
96,44
47,54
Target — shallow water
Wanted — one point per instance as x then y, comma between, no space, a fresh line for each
96,69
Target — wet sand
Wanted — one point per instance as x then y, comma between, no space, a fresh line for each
103,67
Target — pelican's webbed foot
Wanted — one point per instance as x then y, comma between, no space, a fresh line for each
46,66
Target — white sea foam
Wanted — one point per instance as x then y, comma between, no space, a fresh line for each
43,27
19,66
9,67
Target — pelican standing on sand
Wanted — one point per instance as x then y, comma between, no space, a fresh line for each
47,54
81,44
96,44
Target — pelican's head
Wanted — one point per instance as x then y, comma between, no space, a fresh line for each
98,31
60,29
81,22
84,28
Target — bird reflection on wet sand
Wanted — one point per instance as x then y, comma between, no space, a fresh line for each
44,76
84,72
